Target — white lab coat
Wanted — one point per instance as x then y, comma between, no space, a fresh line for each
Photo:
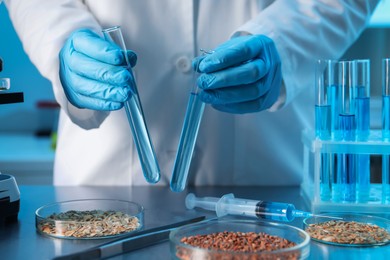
96,148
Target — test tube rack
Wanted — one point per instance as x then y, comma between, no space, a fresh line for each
312,150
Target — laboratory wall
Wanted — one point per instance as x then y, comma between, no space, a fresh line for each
26,148
22,117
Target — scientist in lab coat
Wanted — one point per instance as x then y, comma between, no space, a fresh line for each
259,82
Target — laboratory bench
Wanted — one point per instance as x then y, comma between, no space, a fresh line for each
20,240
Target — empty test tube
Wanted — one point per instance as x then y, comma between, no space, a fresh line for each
187,140
135,115
386,128
361,85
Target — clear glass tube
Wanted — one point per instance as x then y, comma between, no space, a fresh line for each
323,124
187,141
346,163
361,87
135,115
386,128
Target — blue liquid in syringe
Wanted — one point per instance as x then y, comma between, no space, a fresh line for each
386,158
187,142
275,211
322,127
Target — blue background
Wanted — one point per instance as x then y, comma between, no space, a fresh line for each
21,117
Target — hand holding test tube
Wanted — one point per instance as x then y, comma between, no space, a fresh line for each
188,137
135,116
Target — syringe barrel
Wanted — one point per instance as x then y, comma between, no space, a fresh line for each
207,203
275,211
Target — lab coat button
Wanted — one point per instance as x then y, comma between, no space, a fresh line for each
183,64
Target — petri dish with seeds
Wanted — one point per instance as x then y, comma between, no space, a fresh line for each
350,229
239,239
89,219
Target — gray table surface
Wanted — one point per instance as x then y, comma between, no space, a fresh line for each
21,241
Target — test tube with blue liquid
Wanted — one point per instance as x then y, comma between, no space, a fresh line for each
323,123
386,129
361,85
333,90
346,163
188,137
332,85
146,153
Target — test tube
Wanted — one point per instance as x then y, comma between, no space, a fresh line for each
333,87
323,123
361,85
135,115
187,140
386,128
346,163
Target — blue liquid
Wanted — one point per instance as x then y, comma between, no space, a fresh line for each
275,211
385,158
362,118
362,160
187,142
323,121
325,176
142,141
385,179
135,116
333,101
322,126
346,163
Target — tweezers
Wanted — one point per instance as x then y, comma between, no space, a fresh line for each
129,243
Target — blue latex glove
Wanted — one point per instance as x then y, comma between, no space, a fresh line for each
93,72
242,75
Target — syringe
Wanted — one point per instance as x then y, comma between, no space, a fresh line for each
229,205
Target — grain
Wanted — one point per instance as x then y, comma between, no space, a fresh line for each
88,224
348,232
236,245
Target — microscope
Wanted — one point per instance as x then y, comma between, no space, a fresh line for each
9,191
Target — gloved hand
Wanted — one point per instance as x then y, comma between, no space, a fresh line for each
93,72
242,75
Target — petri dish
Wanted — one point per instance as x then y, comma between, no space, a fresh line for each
89,219
224,249
353,230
